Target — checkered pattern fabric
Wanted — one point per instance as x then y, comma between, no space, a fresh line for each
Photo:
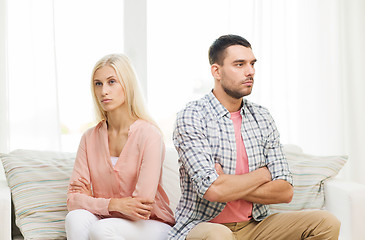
204,135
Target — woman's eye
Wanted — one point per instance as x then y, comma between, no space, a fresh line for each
112,81
98,84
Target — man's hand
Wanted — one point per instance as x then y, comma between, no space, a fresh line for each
81,186
132,208
219,169
266,173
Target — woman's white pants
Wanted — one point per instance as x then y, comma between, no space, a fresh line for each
83,225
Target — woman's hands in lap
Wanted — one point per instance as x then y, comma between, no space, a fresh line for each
132,208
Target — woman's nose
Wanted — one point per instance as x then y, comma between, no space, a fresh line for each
105,90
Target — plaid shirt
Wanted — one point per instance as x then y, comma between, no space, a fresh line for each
204,135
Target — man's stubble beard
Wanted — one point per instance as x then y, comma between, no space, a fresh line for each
235,94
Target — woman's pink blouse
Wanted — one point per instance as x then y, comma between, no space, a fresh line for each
137,172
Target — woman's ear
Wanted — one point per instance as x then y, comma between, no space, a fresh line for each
215,70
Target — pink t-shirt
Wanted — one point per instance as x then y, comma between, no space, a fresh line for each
239,210
137,172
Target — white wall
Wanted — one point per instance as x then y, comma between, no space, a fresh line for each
353,38
4,123
135,38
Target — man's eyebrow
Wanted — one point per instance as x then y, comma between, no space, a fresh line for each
244,60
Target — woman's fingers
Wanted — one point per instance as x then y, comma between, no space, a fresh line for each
81,186
145,201
133,207
85,183
143,208
137,216
144,213
75,186
83,180
146,206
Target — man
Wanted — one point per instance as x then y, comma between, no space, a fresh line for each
232,162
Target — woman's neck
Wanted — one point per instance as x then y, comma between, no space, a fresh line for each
119,121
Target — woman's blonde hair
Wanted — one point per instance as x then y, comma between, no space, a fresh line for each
128,79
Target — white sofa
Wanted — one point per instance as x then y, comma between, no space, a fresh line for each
344,199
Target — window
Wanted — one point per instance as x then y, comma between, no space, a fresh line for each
81,40
178,42
52,48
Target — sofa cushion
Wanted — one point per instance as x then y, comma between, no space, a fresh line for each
309,175
170,177
38,182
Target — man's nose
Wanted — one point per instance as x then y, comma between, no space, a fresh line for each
250,70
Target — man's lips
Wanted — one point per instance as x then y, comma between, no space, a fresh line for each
248,82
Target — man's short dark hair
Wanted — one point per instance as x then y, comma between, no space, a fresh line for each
218,48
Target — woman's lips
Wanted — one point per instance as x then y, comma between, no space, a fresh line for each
105,100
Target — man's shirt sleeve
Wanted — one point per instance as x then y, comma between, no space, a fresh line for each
275,157
194,150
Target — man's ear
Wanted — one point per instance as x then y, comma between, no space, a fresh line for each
215,70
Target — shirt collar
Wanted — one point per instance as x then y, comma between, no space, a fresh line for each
219,109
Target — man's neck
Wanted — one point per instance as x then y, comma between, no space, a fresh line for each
230,103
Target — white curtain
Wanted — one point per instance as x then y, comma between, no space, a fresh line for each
51,49
33,106
310,70
300,73
353,84
311,75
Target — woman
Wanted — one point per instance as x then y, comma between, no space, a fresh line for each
115,189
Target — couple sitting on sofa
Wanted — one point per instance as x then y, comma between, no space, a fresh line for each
222,139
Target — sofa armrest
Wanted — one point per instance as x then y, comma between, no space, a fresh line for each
345,199
5,207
